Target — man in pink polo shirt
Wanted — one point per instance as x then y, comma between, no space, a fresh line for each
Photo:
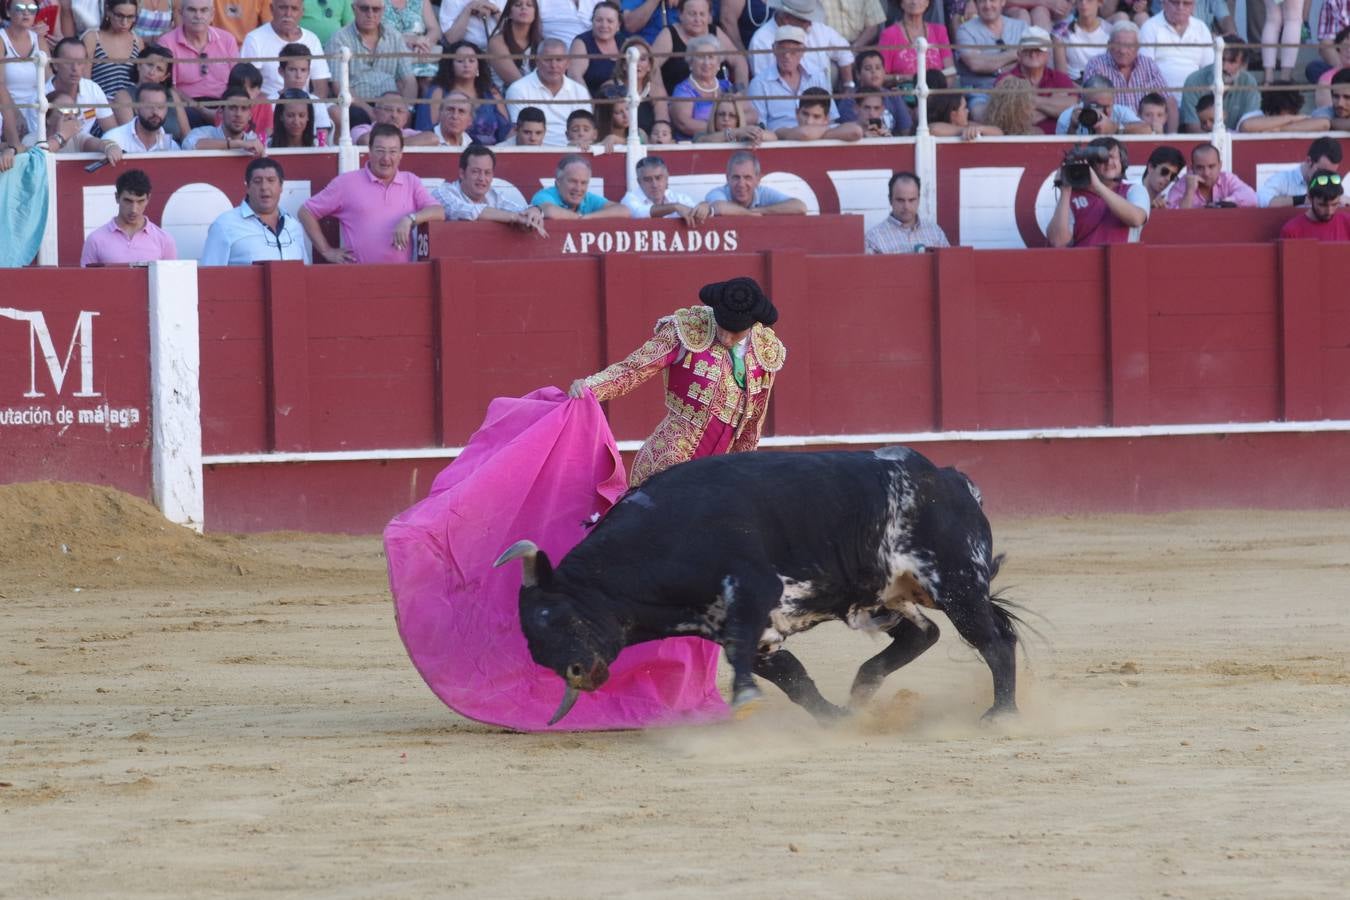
194,41
129,237
378,206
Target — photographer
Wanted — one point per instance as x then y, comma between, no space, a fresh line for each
1098,112
1095,206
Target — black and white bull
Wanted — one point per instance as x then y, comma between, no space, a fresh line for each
747,549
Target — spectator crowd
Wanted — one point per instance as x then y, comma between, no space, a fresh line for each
132,77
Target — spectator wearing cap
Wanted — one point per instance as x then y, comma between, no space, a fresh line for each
719,361
1054,91
1099,113
1184,43
1132,74
1290,187
378,206
472,198
814,123
901,231
1324,219
128,237
774,93
569,196
549,87
256,230
1208,185
815,36
743,195
654,198
1240,94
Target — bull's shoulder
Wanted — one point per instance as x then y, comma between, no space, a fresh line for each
769,349
694,325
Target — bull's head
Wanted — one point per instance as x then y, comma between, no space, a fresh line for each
561,637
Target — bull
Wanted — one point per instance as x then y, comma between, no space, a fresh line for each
747,549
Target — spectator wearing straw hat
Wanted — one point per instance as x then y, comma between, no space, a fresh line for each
1054,91
817,36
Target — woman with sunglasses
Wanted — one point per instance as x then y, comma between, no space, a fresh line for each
293,119
112,45
154,66
21,41
463,69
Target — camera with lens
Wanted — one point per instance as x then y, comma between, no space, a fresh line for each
1088,117
1075,171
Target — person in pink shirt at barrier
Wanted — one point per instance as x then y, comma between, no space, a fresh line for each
196,40
378,206
1207,184
129,237
1325,220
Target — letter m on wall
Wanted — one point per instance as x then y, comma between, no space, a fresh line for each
40,342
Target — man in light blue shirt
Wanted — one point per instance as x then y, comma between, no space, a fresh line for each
775,93
570,197
1099,113
743,195
257,230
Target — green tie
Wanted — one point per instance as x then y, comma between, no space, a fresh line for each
738,364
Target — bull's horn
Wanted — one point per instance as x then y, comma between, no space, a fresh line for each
568,701
525,550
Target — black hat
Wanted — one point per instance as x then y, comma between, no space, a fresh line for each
738,304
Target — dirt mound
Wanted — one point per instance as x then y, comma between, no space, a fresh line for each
55,534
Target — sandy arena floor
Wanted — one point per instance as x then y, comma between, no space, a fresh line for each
236,716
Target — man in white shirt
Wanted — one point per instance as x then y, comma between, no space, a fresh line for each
549,82
656,200
776,90
69,61
1290,187
563,20
799,14
1192,44
473,198
257,230
235,131
456,116
268,39
145,133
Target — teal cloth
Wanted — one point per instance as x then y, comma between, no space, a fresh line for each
23,208
738,364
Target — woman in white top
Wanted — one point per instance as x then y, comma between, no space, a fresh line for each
21,42
1080,38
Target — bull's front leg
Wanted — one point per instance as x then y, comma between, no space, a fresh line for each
748,601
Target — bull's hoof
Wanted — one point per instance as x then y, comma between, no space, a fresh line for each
996,714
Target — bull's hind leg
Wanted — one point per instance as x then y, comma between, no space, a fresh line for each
748,601
786,671
908,640
993,636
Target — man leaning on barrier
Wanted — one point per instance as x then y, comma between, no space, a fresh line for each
655,200
256,230
472,198
570,196
743,195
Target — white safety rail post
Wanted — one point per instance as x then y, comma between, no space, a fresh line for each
47,250
175,393
1220,136
925,147
349,156
634,149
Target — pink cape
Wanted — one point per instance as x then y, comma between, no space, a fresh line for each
538,468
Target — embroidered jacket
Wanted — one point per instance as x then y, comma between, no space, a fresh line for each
707,412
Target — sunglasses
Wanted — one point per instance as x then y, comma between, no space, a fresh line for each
1169,174
203,66
1326,179
25,7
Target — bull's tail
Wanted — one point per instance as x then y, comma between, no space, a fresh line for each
1008,613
